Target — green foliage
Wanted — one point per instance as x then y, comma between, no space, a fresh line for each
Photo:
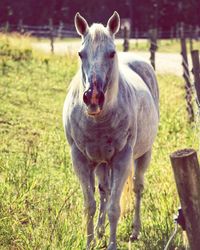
40,197
14,49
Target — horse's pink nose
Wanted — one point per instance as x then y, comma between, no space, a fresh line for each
94,97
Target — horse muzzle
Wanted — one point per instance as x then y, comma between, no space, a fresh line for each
94,100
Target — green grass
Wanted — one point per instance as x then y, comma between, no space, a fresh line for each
164,46
58,40
142,45
40,197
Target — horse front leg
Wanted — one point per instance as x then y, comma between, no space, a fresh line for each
120,171
85,173
102,172
140,165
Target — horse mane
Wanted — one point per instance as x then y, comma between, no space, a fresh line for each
75,88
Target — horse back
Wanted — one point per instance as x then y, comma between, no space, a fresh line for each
145,71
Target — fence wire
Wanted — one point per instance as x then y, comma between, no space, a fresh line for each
68,30
197,123
172,237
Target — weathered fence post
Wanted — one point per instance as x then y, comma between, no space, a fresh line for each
197,29
177,31
153,46
186,76
20,26
191,37
160,32
60,29
51,34
126,39
136,37
7,27
172,34
126,29
187,176
196,72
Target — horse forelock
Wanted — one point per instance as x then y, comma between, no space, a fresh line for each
97,36
98,33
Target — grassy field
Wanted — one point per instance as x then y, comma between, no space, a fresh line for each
164,45
141,45
40,197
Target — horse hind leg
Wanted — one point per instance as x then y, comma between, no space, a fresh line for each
102,172
140,165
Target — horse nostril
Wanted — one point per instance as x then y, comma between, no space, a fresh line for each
101,99
98,99
85,98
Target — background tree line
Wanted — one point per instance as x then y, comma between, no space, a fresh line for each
144,14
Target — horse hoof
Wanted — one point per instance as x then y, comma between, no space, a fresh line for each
91,245
133,237
100,233
135,232
112,246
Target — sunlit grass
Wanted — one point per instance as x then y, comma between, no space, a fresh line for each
41,200
164,45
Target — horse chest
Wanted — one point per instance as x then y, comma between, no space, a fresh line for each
99,143
100,150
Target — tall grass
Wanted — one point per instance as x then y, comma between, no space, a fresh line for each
40,197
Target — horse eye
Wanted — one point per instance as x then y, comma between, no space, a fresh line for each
112,54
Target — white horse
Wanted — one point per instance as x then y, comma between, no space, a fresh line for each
110,118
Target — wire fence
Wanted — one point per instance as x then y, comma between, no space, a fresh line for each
46,31
68,30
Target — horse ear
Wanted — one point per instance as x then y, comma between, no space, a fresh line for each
113,24
80,24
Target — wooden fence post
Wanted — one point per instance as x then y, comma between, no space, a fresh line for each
186,76
153,46
160,32
20,26
177,31
196,72
51,35
172,34
187,176
7,27
191,37
197,29
136,37
126,39
60,29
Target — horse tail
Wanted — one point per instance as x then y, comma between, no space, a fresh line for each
127,197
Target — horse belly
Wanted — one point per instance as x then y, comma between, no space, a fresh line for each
146,132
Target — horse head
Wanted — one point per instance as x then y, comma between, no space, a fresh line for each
98,61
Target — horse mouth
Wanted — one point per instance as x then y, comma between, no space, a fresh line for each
93,110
